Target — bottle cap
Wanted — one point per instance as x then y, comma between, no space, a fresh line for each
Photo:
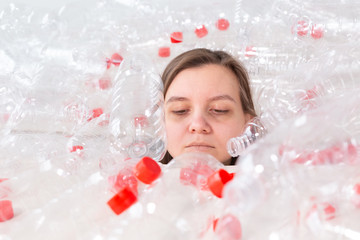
217,180
108,63
302,28
228,227
215,223
116,59
96,112
317,31
164,52
76,148
357,189
329,211
250,51
122,200
147,170
176,37
324,210
104,83
6,210
3,179
201,31
355,198
222,24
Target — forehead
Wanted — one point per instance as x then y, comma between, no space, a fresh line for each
208,79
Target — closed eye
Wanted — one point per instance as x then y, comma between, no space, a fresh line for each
180,112
219,111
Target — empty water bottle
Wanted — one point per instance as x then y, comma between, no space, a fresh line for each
137,117
253,130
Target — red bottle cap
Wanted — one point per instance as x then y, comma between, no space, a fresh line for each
217,181
6,210
357,188
108,63
352,152
3,179
356,195
232,175
164,52
250,51
323,209
76,148
122,200
104,83
97,112
329,211
215,223
147,170
317,31
222,24
228,227
201,31
176,37
116,59
302,28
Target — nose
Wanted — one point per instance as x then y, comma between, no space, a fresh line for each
199,124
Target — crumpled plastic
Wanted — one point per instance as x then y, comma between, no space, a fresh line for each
58,64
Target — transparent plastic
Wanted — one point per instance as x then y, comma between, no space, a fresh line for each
137,118
316,192
253,130
60,158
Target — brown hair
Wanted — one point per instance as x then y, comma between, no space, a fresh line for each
202,56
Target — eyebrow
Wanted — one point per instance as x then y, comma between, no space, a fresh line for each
222,97
215,98
176,99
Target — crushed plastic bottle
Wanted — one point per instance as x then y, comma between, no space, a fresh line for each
253,130
137,118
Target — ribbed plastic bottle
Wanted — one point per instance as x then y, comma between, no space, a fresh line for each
137,117
253,130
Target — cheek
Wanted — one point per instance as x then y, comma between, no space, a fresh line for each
173,131
174,134
230,130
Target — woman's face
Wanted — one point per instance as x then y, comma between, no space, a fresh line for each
203,111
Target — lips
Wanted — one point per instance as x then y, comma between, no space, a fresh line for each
199,146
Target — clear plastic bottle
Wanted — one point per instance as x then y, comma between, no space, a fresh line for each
253,130
137,116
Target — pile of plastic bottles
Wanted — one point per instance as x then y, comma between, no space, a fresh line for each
82,122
